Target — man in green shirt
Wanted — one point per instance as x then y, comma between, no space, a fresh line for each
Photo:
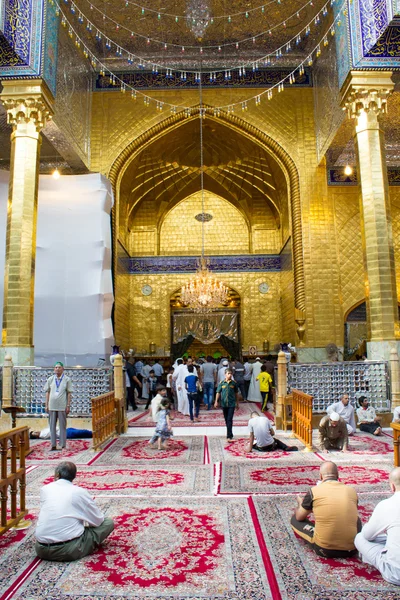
228,393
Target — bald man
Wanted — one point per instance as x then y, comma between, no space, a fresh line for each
334,505
379,540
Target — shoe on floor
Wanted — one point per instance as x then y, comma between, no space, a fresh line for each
53,449
229,440
292,449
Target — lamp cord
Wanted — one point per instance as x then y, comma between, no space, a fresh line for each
201,164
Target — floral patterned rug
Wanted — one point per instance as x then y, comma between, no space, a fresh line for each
237,451
192,549
271,479
140,480
77,450
208,418
362,445
129,451
300,574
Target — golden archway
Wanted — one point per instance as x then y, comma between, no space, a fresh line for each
242,129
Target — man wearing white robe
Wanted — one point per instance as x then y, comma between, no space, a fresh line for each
254,394
346,410
145,386
179,375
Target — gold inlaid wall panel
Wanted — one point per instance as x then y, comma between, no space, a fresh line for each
349,246
226,233
394,194
117,119
260,314
289,120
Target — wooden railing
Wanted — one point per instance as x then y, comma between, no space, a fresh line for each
302,418
396,443
103,419
13,477
120,420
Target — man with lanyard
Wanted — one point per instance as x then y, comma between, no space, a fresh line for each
58,390
228,392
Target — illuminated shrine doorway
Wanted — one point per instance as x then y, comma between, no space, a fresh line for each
216,333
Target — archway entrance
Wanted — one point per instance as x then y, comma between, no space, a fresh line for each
253,232
216,333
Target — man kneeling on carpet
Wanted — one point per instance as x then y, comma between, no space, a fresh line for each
334,505
261,432
379,540
64,509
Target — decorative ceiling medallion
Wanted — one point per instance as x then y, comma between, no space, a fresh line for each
203,217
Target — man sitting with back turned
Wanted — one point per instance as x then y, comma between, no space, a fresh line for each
261,435
334,505
379,540
64,508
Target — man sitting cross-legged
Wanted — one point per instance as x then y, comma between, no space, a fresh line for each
64,508
379,540
334,505
261,435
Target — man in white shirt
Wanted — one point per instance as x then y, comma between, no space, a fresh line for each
379,540
396,415
248,369
221,371
261,435
58,390
345,410
64,508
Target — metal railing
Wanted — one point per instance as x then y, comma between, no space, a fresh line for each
29,383
327,382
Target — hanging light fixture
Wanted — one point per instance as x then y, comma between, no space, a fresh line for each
204,292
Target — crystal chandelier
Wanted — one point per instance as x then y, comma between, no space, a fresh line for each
198,17
204,292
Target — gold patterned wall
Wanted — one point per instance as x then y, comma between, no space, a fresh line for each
260,313
226,233
122,306
289,121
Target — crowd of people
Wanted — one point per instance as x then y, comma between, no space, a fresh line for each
71,526
189,379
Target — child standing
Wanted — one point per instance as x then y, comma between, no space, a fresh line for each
152,383
265,380
163,428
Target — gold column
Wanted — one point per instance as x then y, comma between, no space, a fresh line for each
365,97
28,105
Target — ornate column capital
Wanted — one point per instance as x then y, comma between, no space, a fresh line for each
366,91
27,101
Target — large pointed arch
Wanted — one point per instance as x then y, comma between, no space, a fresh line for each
243,128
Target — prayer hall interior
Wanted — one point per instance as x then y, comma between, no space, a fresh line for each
193,178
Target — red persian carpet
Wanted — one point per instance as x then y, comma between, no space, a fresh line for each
251,479
127,451
188,549
208,418
143,480
362,445
77,450
237,451
301,574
